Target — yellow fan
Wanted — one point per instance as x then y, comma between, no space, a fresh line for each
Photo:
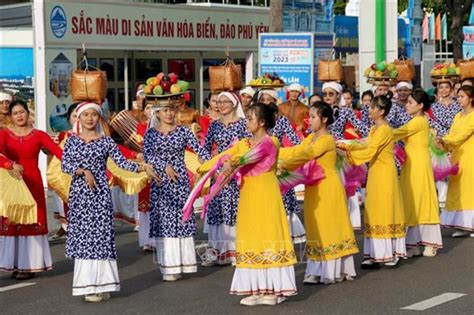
16,202
191,160
131,183
58,181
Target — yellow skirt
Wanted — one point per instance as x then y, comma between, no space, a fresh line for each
16,202
262,233
384,216
329,231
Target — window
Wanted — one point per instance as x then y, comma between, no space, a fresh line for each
108,65
145,68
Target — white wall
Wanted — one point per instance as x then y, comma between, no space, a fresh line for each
16,38
367,36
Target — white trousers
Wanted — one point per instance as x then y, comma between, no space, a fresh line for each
95,276
176,255
25,253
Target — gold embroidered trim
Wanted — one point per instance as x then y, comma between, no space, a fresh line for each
265,258
335,249
390,229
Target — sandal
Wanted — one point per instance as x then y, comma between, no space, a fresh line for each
14,274
24,275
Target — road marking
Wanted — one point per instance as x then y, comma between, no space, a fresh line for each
16,286
434,301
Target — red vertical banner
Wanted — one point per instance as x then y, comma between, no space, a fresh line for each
438,27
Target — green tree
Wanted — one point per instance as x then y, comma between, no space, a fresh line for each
339,7
457,15
458,11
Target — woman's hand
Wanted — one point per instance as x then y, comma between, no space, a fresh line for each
341,145
150,171
440,144
139,158
90,180
15,174
341,152
16,171
171,173
227,168
18,167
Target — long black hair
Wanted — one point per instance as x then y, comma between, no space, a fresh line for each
369,93
383,102
324,110
469,91
70,110
265,113
421,97
18,102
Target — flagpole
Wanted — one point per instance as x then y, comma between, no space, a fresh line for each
379,30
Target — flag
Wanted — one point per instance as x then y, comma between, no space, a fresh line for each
425,28
444,27
438,27
432,27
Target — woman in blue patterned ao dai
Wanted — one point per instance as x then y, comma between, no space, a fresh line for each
283,128
332,92
163,148
222,213
90,234
441,119
443,110
397,116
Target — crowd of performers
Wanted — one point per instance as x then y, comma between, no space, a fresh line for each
407,159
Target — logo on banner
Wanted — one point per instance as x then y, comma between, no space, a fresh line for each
58,21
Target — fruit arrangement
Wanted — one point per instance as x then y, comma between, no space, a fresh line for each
381,71
443,72
267,80
445,69
164,85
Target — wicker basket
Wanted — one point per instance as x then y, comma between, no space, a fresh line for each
88,85
226,77
381,81
405,69
451,78
467,69
330,70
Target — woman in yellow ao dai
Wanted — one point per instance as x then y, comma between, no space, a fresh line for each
459,212
330,238
264,251
417,180
384,219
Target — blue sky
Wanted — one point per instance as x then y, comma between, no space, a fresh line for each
16,61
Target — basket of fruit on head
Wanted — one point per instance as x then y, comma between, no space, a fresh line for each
267,81
443,72
163,86
383,71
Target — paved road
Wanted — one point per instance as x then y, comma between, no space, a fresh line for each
384,291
